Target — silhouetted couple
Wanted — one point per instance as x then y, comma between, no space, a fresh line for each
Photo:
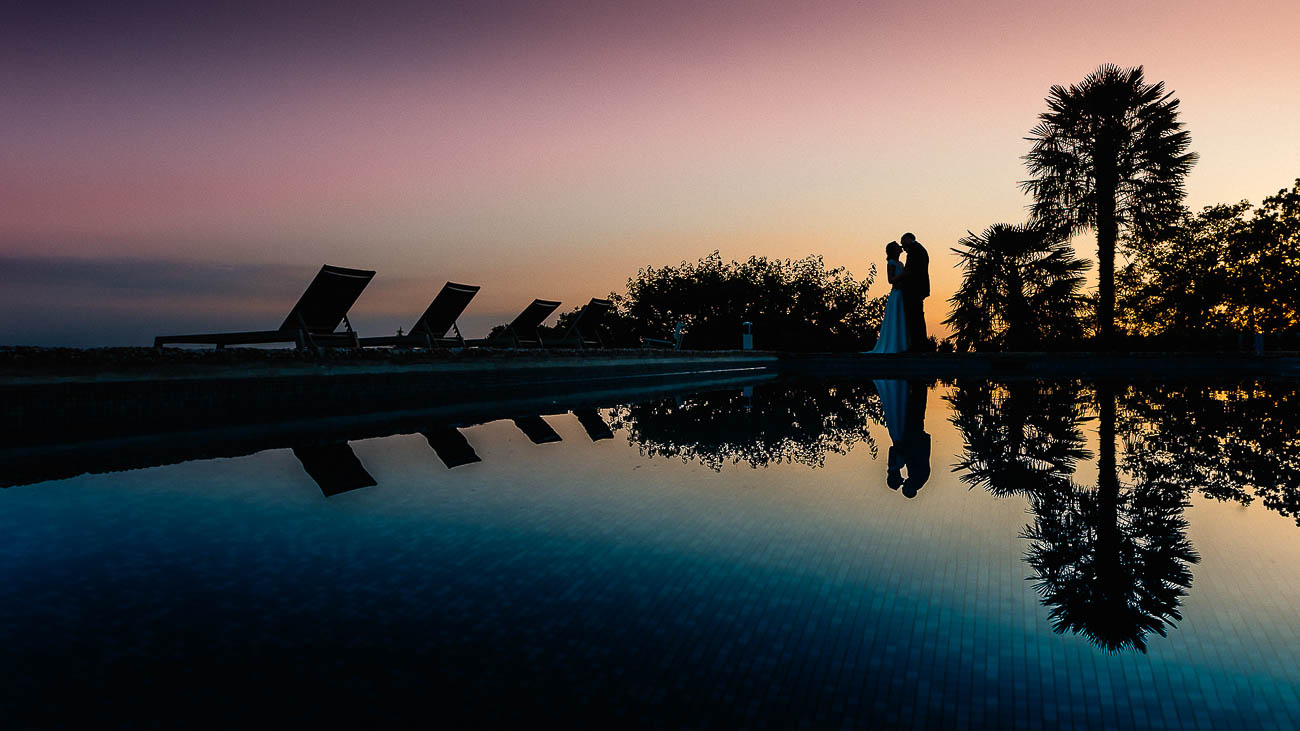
903,403
903,329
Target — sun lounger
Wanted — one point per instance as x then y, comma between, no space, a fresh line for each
432,327
522,332
311,322
451,446
582,332
334,467
594,424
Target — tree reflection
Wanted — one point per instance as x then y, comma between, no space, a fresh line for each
1237,443
1022,437
1111,563
778,423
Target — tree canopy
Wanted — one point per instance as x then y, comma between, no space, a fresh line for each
1227,268
794,304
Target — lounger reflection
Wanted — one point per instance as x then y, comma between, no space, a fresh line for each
537,430
334,467
594,424
451,446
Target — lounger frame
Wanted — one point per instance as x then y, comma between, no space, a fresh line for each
452,296
330,306
588,317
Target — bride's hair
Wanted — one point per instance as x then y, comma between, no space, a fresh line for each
892,250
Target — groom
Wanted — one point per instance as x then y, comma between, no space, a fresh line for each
916,287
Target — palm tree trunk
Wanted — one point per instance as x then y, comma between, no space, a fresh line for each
1018,309
1109,565
1107,235
1107,474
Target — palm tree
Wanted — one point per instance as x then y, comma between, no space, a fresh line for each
1108,154
1021,287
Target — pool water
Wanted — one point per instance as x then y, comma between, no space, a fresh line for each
790,553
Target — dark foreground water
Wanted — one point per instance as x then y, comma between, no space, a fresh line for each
874,554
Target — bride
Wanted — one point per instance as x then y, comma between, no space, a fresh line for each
893,329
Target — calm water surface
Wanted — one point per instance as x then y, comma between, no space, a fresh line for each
863,554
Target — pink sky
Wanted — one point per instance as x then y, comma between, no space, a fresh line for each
550,150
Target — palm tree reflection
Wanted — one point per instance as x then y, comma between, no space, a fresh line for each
1111,563
1024,437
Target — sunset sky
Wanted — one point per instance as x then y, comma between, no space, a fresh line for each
164,168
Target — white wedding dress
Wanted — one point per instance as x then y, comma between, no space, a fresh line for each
893,329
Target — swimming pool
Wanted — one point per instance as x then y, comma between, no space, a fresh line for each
826,553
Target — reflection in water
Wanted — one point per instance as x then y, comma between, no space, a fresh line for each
451,446
778,423
537,430
334,467
594,589
1024,437
1235,444
903,406
594,424
1111,562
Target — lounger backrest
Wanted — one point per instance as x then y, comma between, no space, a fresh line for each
445,308
327,299
533,315
589,317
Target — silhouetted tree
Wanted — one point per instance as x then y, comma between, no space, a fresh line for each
1021,289
1227,268
1109,155
1179,283
1269,266
778,423
793,304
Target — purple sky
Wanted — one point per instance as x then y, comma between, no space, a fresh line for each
170,168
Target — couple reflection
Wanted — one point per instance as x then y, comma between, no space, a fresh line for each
903,403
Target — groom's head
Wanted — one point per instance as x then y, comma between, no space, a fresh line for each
908,240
